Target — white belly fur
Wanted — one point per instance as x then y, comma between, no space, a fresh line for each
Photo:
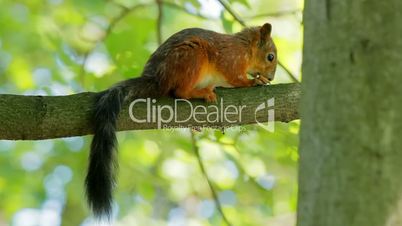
216,80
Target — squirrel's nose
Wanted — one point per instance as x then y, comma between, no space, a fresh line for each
270,79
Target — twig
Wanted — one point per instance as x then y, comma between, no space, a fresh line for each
82,68
230,10
275,14
241,21
179,7
125,11
204,172
291,75
159,21
241,168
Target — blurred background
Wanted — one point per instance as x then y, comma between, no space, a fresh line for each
60,47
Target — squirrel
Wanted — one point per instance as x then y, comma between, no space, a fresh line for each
189,64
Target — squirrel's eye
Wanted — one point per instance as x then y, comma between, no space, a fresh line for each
270,57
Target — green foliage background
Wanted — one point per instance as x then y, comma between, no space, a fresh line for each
59,47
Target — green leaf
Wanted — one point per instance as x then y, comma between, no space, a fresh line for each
243,2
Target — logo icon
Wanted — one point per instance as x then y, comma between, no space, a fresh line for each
269,107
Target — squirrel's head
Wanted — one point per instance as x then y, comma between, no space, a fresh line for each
264,57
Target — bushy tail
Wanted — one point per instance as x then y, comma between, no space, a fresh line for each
100,178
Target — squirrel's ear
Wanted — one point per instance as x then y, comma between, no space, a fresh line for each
265,32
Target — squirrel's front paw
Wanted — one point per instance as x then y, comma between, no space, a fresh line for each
260,80
210,97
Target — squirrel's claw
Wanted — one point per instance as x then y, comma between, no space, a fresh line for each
258,82
263,79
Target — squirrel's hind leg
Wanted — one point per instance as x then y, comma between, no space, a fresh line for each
187,64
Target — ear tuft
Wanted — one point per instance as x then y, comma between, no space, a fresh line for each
265,32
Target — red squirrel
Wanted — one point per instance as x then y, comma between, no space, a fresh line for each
189,64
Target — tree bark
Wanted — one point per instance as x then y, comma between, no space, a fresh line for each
351,113
46,117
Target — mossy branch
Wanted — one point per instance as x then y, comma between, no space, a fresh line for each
47,117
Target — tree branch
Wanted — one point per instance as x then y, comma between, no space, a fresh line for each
47,117
209,182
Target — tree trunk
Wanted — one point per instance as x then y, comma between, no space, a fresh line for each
351,133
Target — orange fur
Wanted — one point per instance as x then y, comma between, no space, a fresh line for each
191,63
